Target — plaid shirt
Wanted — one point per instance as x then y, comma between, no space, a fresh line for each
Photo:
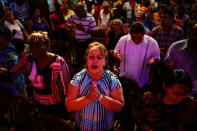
94,117
166,38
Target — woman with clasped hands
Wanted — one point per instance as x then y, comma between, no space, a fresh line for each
95,93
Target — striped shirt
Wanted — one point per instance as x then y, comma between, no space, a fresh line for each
88,23
94,117
50,84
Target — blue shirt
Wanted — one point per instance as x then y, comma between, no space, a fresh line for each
21,13
95,117
42,26
9,58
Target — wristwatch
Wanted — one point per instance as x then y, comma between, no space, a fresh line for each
100,97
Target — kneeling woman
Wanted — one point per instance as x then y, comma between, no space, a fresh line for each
95,93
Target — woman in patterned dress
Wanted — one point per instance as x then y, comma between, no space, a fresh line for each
48,74
95,93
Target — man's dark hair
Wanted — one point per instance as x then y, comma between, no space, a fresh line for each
89,6
170,11
137,27
179,76
181,8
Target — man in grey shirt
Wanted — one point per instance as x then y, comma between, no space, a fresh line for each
183,54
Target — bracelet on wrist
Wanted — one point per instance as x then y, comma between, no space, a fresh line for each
100,97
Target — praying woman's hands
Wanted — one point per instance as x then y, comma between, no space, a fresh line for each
94,92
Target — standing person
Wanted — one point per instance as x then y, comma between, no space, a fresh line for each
168,32
142,17
65,10
95,93
182,16
135,52
183,54
48,73
114,34
118,12
150,22
38,23
17,29
58,22
129,7
20,9
104,16
85,24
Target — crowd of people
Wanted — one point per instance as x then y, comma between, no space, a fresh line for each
154,42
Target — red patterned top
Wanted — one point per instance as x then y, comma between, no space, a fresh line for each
50,84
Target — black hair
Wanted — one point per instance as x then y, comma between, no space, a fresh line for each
19,44
162,72
178,76
80,5
170,11
157,74
137,27
152,10
4,32
181,8
147,3
89,6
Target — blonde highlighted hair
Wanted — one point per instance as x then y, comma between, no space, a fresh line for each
39,37
99,46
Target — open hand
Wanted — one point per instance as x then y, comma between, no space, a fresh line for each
152,61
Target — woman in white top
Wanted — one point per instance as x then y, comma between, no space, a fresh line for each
104,16
17,29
